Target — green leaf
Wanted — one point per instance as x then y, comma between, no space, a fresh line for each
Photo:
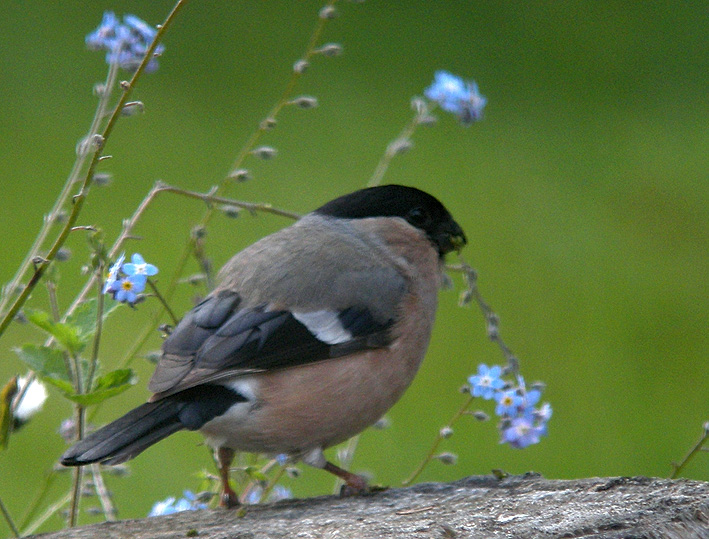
108,385
65,334
45,361
83,319
65,387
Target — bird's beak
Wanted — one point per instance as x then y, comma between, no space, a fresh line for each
458,241
452,239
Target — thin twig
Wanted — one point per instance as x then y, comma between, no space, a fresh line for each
179,266
429,456
80,198
39,499
164,303
93,363
109,510
211,199
9,520
66,190
78,471
677,467
51,511
491,319
400,144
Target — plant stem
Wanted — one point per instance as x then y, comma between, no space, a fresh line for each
437,442
109,510
78,471
210,199
9,520
64,195
99,328
677,468
53,509
238,162
272,483
79,199
39,499
491,319
164,303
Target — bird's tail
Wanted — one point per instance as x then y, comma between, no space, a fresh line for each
127,436
149,423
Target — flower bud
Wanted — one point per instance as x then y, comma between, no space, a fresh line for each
330,50
240,175
328,13
300,67
264,152
304,102
133,108
447,458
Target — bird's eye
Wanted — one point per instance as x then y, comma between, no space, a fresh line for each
417,216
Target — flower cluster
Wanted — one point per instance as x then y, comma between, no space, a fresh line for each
126,43
189,502
126,280
521,424
457,96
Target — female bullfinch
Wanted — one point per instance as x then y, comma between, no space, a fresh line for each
313,333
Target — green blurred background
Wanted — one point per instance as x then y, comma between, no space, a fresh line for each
584,193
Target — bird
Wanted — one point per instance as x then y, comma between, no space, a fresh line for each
312,334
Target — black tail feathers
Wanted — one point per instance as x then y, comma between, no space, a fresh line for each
149,423
127,436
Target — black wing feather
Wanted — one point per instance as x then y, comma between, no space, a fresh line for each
217,337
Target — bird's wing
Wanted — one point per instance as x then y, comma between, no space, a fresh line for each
227,334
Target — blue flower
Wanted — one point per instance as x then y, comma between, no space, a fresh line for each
113,272
508,402
457,96
105,34
126,43
279,492
529,401
138,266
486,382
126,289
164,507
522,432
125,281
168,506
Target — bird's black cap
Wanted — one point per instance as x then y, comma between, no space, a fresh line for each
417,207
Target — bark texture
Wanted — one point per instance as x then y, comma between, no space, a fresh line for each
517,507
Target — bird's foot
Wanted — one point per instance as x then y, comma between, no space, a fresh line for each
354,484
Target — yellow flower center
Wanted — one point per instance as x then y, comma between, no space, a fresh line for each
127,285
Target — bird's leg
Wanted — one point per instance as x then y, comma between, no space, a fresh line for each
228,498
354,484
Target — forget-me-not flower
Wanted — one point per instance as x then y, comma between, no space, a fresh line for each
127,288
188,502
486,382
521,432
126,280
125,43
138,267
457,96
113,273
